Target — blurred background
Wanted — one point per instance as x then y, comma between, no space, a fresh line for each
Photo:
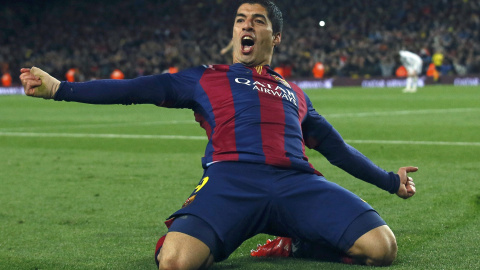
85,40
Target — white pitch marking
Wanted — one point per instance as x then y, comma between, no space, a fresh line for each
406,112
414,142
180,137
101,125
334,115
102,136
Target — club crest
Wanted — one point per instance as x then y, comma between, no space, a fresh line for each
281,80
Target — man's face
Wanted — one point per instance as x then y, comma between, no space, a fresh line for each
253,37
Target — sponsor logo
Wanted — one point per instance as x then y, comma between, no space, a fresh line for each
11,90
274,90
326,83
467,81
391,82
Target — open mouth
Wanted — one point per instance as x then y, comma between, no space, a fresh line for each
247,44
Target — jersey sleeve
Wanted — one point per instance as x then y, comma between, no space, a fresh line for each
322,136
166,90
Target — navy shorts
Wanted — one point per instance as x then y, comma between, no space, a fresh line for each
235,201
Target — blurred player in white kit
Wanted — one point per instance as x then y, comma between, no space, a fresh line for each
413,64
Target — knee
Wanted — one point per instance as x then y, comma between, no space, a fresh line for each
378,247
383,253
177,261
171,263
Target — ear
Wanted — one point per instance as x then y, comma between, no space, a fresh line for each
277,38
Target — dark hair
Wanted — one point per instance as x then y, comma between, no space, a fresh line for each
274,13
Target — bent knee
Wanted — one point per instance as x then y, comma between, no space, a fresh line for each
377,247
175,263
168,260
170,263
181,251
383,254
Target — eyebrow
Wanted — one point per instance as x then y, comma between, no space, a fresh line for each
256,15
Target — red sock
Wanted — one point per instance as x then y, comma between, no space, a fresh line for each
160,241
158,248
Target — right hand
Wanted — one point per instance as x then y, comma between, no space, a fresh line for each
407,186
38,83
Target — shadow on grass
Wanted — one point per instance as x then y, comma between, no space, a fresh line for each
244,263
248,263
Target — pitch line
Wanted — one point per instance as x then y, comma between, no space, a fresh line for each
102,125
101,136
404,112
174,122
414,142
181,137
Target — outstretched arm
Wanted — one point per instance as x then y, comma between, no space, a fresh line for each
166,90
321,136
349,159
148,89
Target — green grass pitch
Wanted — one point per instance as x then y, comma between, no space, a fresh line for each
89,186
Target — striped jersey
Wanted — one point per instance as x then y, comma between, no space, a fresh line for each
250,114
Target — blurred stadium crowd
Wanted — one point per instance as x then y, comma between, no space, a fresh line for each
142,37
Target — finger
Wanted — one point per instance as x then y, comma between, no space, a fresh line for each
30,92
30,83
23,70
410,169
33,83
411,190
30,86
24,77
410,184
404,170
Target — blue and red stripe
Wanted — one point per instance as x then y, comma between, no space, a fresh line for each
217,88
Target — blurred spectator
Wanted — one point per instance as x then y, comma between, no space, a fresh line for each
387,65
117,74
74,75
280,71
142,37
437,60
432,72
6,80
318,70
172,70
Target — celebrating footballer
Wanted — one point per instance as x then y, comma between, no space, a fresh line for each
257,178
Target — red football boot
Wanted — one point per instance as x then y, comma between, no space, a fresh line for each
278,247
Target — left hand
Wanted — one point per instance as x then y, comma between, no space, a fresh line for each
407,186
38,83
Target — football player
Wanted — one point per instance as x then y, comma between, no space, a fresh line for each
257,178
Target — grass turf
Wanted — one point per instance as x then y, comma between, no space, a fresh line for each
98,202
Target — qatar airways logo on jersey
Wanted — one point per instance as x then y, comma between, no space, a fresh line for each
269,89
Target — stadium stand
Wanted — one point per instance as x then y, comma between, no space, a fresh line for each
141,37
